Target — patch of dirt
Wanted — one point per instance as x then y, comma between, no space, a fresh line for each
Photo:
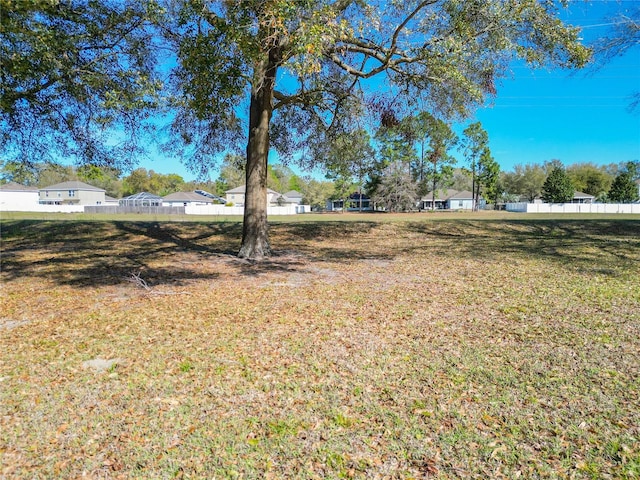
9,324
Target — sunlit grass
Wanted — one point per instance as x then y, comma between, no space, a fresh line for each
457,348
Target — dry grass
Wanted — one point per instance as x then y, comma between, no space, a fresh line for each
365,349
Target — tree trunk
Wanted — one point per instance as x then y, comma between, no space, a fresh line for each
255,229
473,186
433,190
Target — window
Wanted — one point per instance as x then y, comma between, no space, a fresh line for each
460,204
72,193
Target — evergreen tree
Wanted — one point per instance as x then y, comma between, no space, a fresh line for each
557,188
623,189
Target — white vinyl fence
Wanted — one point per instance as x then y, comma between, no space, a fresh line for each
235,210
36,207
574,207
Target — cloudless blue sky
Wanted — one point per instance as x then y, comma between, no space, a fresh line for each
544,114
582,116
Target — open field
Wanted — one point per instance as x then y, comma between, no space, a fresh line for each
417,346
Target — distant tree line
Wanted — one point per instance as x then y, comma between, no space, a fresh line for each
552,182
396,175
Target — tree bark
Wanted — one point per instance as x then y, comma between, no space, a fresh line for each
255,229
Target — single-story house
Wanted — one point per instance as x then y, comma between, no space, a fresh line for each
440,200
448,199
293,197
142,199
580,197
237,195
182,199
71,193
460,201
354,203
16,197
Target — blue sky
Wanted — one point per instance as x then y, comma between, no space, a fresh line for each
575,117
545,114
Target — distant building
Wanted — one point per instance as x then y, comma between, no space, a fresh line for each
447,199
293,197
237,196
353,203
182,199
579,197
17,198
71,193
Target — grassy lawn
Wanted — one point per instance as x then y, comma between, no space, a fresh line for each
416,346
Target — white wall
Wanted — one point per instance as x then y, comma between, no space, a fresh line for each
467,204
235,210
574,207
18,201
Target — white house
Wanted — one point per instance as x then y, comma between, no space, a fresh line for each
111,201
293,197
183,199
461,201
18,198
580,197
236,196
449,200
71,193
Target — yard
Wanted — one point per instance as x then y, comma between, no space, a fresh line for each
368,347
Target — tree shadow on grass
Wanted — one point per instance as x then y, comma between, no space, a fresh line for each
91,254
591,246
333,240
94,253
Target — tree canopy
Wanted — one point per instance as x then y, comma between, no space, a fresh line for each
557,187
78,79
624,189
624,35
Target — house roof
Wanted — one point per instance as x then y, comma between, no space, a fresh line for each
441,195
293,194
73,185
187,197
582,195
16,187
243,188
464,195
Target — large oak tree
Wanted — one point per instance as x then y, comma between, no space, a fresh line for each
304,70
282,74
